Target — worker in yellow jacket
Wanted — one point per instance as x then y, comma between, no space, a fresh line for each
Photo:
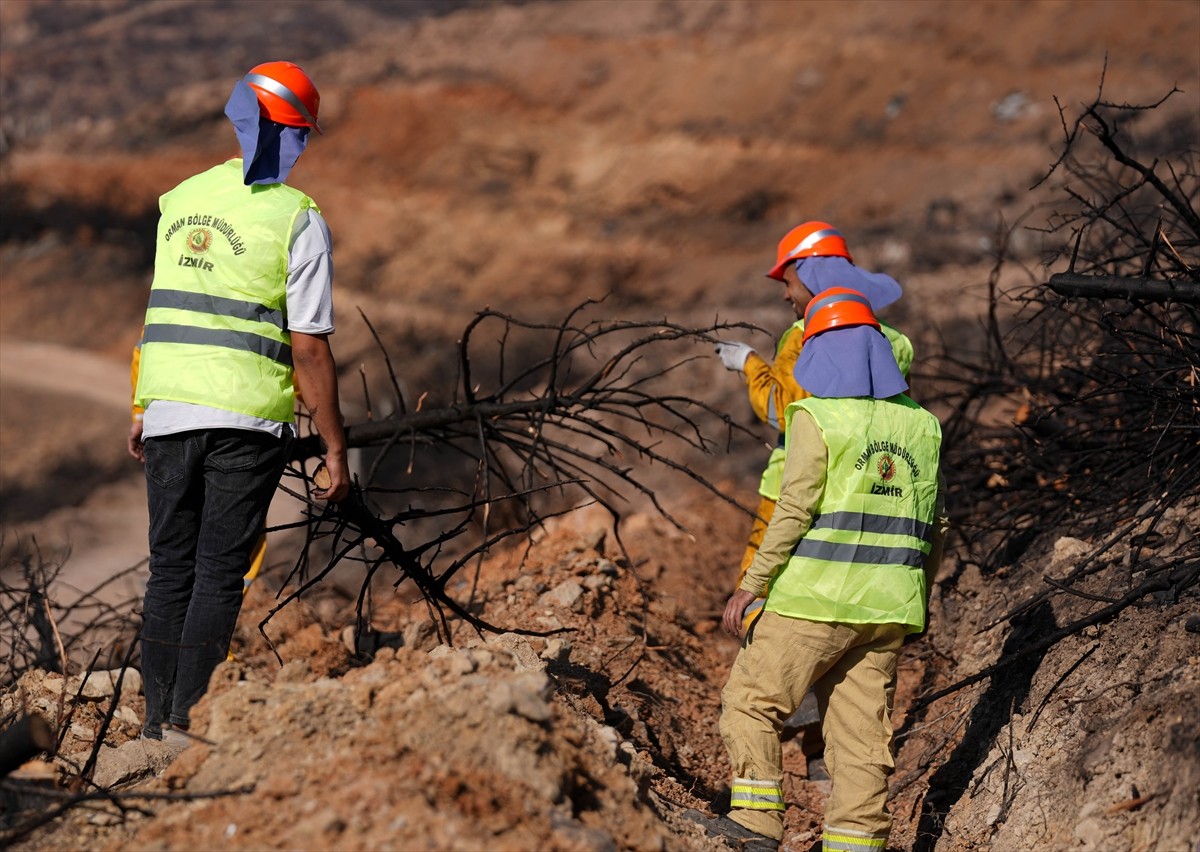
843,568
810,259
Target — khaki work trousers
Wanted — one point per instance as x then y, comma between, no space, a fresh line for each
852,669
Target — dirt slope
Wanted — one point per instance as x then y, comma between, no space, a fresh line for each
528,156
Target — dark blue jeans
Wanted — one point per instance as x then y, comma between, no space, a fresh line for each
208,494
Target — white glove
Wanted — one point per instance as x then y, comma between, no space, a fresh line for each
734,355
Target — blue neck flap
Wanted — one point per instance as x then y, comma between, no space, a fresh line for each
269,149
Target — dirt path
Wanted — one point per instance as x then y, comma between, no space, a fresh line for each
51,368
59,396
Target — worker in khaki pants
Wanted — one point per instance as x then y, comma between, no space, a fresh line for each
842,566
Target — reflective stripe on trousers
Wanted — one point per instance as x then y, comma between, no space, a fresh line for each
757,795
848,840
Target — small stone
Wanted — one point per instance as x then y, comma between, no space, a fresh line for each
523,697
131,761
521,649
126,715
1068,551
568,595
35,770
557,650
609,738
103,684
595,582
1091,834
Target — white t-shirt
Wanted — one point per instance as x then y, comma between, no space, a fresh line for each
309,311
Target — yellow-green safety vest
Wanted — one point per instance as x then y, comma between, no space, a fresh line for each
862,560
216,329
772,475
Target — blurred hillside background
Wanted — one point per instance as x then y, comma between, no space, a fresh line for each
527,156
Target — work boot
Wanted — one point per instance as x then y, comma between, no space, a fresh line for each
175,739
172,740
735,835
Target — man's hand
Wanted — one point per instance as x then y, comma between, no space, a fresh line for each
316,375
735,610
332,478
733,355
134,442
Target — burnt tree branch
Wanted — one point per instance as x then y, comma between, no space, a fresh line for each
544,415
1115,287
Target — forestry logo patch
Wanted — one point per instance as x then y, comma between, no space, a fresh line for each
199,239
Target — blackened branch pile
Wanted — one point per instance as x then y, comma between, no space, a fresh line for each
1103,365
545,417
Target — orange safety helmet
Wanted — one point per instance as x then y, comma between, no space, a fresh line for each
837,307
812,239
285,94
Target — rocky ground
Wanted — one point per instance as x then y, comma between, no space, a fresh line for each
525,157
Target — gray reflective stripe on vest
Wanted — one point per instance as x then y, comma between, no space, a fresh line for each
282,91
858,554
812,239
243,340
882,524
202,303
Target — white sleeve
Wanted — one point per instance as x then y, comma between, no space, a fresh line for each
310,276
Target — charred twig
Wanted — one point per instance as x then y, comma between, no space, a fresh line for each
1049,692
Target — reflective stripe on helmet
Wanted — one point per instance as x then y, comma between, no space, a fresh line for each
281,91
814,238
826,300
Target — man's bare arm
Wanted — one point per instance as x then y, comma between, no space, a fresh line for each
316,375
